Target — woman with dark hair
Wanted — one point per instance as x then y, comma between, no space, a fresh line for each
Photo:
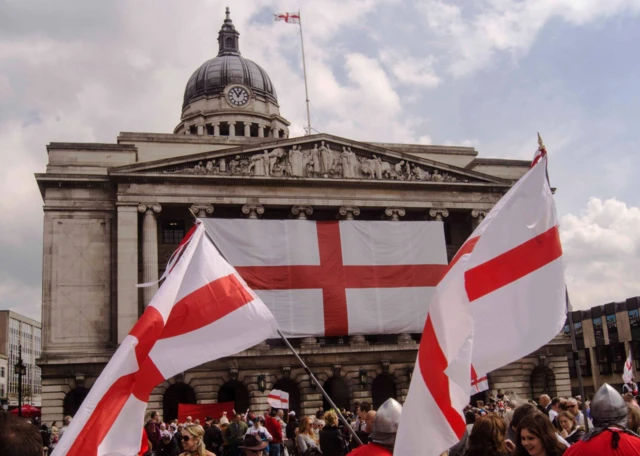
537,437
487,437
569,428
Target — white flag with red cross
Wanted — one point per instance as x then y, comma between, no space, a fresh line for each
289,18
627,374
502,298
334,278
203,311
278,399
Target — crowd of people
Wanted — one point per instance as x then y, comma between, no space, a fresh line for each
608,424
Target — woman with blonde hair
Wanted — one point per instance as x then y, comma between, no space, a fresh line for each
331,439
306,442
569,429
192,441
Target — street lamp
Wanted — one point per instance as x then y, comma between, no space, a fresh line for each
20,369
262,382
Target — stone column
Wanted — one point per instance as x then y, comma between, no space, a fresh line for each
349,212
216,129
477,217
247,129
302,211
232,128
202,210
261,130
127,261
200,130
253,211
438,214
394,213
149,249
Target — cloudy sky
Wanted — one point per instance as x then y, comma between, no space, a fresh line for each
487,74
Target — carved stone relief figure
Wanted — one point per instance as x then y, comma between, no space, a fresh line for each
314,161
222,165
258,164
274,158
326,159
296,161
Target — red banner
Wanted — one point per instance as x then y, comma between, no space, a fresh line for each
201,411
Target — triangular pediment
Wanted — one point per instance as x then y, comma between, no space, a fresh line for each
315,157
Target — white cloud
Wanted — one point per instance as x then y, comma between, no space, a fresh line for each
510,26
602,252
409,69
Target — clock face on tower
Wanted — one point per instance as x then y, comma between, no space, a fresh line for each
238,96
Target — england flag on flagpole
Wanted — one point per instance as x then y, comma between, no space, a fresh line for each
278,399
508,275
289,18
203,311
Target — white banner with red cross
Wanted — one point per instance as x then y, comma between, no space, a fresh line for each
333,278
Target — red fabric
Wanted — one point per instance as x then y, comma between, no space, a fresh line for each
28,410
601,445
201,411
333,277
371,449
144,445
274,428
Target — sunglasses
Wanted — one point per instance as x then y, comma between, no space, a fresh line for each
186,438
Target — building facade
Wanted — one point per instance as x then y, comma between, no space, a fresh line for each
604,336
114,213
18,331
4,374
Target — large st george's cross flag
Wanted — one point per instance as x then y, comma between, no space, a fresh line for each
333,278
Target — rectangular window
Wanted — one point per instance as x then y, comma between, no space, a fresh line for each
612,328
598,331
172,231
2,373
634,322
579,336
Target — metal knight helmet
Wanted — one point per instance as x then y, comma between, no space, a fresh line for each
385,424
608,408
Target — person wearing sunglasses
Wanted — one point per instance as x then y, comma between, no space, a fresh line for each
192,441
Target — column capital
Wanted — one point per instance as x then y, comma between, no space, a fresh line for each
202,210
438,214
480,215
302,211
253,211
394,213
349,212
149,208
231,122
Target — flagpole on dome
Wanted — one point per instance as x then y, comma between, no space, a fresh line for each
304,71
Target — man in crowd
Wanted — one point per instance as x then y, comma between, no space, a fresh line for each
610,435
544,404
554,409
385,427
274,428
630,387
213,439
152,428
18,437
235,434
362,411
292,425
574,409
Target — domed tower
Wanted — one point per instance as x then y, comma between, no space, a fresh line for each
231,96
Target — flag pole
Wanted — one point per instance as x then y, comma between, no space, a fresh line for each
576,358
324,393
304,70
295,353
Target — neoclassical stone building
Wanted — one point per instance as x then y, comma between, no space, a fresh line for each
113,213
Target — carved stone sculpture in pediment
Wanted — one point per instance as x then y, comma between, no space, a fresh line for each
258,165
326,160
296,161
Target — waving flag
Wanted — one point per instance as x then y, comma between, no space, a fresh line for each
278,399
289,18
202,312
503,297
333,278
627,374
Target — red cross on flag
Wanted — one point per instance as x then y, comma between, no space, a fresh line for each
203,311
336,278
289,18
278,399
502,297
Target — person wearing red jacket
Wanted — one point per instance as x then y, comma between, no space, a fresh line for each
274,428
610,435
385,426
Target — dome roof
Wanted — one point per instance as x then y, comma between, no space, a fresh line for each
228,67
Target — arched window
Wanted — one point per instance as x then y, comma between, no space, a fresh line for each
73,400
235,391
338,391
291,387
178,393
543,381
382,388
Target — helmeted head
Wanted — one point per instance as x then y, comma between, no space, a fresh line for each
385,424
608,408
